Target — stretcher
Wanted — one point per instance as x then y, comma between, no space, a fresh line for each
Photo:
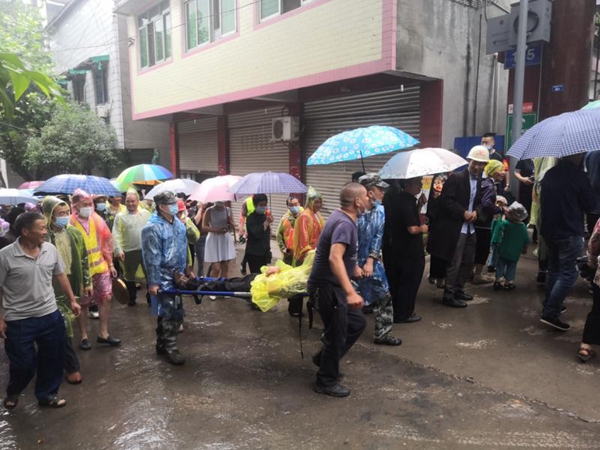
198,294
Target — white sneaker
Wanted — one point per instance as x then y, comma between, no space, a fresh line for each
93,314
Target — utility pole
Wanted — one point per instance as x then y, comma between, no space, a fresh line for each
518,91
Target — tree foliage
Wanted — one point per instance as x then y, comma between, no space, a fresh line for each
75,140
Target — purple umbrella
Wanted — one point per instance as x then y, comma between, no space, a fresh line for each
268,183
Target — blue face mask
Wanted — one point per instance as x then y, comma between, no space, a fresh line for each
101,207
260,209
375,202
173,209
294,209
61,222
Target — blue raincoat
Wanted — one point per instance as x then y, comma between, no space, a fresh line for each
164,250
370,236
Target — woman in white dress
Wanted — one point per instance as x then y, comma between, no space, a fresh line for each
220,247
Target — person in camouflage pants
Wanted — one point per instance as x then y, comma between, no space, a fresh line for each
373,287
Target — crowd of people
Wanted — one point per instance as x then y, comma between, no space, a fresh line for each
59,259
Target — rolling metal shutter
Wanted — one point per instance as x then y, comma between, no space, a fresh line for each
325,118
198,148
251,150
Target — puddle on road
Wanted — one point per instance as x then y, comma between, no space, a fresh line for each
477,345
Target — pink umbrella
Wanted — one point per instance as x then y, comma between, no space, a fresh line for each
31,184
215,189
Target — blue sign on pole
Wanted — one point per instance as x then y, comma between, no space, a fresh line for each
558,88
533,57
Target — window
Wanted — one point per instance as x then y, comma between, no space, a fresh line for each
78,88
272,8
154,28
209,20
101,82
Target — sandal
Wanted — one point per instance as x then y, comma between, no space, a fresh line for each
11,401
585,354
53,402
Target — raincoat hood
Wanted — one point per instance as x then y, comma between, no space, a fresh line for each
48,206
311,196
79,196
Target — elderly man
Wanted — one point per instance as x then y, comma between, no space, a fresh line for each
332,292
164,251
99,246
452,235
71,248
127,235
30,323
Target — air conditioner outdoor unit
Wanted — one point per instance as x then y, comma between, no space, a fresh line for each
103,110
285,129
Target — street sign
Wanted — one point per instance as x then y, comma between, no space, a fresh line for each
498,34
533,57
529,120
527,108
539,18
558,88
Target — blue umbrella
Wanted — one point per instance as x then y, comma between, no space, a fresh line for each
560,136
361,143
66,184
268,183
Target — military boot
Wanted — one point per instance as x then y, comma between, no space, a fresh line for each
160,338
171,329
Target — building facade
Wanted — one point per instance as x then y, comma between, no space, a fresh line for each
222,70
90,48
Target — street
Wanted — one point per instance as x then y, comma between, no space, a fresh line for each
486,377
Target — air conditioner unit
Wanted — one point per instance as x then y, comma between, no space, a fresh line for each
103,110
285,129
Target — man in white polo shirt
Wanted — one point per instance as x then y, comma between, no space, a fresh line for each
30,323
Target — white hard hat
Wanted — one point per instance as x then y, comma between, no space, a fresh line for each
479,153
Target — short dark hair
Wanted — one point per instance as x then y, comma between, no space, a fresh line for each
259,198
26,220
289,200
12,215
349,193
357,175
489,134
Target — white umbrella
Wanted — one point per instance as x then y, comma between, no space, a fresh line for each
15,196
421,162
177,186
215,189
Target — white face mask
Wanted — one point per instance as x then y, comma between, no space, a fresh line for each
85,212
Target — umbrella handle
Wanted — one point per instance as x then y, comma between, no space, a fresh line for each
362,160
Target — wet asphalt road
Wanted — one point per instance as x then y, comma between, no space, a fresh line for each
487,377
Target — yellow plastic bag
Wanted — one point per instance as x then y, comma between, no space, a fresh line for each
289,281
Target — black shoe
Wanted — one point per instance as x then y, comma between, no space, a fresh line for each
367,309
337,390
295,314
563,308
541,276
85,344
160,350
412,319
113,342
453,303
131,302
556,323
387,339
175,358
497,285
491,269
243,269
462,295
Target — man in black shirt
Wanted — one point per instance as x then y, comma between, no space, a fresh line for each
488,141
566,195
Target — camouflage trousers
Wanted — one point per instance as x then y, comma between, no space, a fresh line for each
166,334
384,316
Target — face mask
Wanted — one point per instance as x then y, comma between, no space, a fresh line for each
489,146
173,209
220,204
260,209
61,222
101,207
294,209
85,212
375,202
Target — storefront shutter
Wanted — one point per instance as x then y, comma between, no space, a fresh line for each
198,148
399,108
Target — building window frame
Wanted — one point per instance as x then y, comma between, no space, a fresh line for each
100,78
222,21
78,89
155,35
283,7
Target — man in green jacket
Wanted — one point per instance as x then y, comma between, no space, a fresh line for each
71,248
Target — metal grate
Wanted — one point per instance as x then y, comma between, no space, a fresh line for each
476,4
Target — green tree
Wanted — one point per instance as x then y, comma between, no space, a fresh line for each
75,140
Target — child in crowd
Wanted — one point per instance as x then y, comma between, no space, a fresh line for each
511,238
502,205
